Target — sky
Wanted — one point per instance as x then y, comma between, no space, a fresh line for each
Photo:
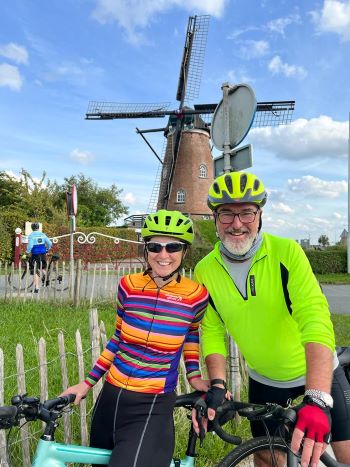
56,56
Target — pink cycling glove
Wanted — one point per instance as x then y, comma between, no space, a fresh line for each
315,422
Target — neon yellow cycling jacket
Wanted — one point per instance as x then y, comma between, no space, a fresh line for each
284,309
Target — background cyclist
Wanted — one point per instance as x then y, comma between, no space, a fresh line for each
158,315
38,245
262,290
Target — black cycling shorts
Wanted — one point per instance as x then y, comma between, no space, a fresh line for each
260,393
38,260
137,427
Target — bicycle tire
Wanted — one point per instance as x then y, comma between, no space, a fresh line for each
242,455
59,280
18,282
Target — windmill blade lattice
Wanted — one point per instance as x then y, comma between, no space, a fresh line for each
193,59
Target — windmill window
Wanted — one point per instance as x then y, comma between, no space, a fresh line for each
203,171
180,196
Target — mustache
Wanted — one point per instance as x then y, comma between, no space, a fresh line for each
231,230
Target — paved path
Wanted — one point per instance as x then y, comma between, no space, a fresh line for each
338,297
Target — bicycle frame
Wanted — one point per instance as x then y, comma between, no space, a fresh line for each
53,454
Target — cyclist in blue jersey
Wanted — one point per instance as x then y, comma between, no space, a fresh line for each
38,245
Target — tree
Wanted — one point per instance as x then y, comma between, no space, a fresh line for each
323,240
96,206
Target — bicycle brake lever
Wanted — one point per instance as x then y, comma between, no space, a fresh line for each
201,411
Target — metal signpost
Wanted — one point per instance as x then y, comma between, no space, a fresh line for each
231,122
72,209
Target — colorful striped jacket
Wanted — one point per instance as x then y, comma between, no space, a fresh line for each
153,327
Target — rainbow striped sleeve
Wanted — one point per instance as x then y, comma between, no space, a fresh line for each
191,344
106,358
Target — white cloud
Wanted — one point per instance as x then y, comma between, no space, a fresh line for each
129,198
82,157
279,24
14,52
281,208
10,76
334,17
237,76
254,49
308,207
309,185
277,67
133,15
304,139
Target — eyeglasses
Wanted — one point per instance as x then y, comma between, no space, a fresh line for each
154,247
227,217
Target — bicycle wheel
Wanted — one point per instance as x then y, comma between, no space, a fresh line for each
59,278
273,452
20,279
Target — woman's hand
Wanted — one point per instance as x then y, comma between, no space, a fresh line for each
80,390
200,384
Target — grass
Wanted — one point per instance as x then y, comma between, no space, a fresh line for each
26,323
333,278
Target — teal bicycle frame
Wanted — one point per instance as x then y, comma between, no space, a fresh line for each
52,454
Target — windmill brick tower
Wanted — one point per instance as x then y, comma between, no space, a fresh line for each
186,166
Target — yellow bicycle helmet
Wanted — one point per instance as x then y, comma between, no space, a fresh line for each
236,187
170,224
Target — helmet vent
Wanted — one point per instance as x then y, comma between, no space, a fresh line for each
243,182
228,181
179,222
167,220
155,218
216,188
256,184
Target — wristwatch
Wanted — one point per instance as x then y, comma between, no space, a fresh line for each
320,398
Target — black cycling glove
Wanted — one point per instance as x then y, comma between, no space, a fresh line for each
214,397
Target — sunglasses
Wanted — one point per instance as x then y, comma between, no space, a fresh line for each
154,247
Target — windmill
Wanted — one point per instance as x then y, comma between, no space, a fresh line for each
186,166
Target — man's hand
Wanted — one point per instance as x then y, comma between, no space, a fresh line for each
313,426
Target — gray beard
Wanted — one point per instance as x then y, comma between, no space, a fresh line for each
254,246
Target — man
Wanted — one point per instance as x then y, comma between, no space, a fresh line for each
38,245
263,292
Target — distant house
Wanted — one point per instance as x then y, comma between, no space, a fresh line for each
305,243
344,237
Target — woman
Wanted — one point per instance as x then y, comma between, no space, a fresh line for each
158,315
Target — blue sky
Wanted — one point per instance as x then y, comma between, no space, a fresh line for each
56,56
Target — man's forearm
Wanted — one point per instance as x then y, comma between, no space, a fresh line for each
216,366
319,364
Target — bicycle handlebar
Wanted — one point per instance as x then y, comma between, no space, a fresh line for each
32,409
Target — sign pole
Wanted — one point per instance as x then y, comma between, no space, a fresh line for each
348,238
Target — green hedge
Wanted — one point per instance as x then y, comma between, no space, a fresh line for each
327,261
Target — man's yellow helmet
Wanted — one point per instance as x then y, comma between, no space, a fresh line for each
236,187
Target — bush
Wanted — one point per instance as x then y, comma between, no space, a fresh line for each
328,261
5,243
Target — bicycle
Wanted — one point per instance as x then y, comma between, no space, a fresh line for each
50,453
22,279
277,448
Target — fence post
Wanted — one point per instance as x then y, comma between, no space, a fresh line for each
65,384
21,384
76,300
95,351
3,445
81,375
